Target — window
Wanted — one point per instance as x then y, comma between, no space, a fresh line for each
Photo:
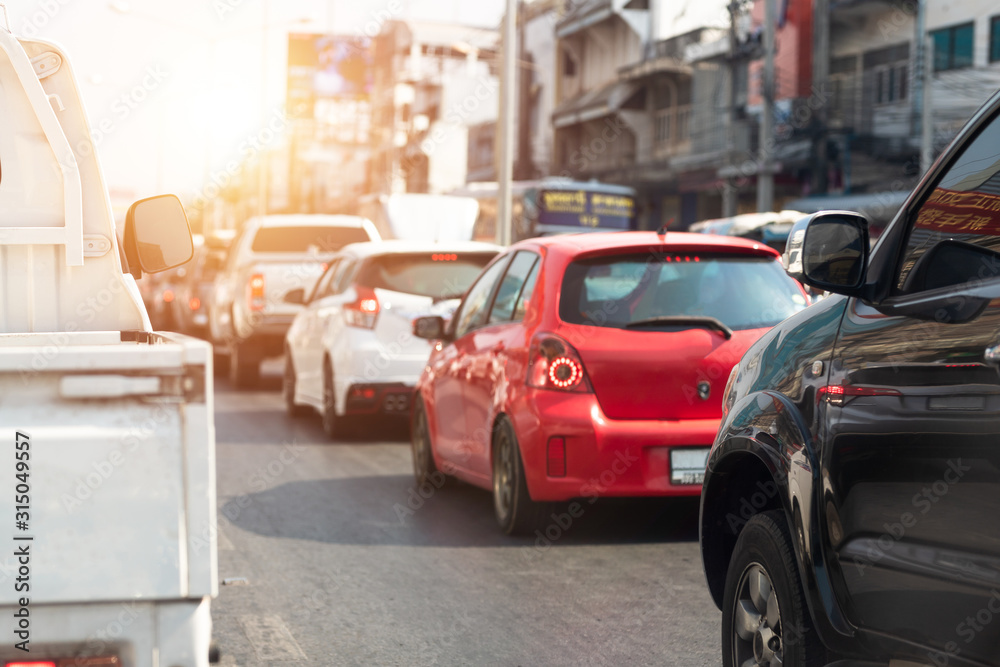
953,47
472,312
994,39
440,275
639,291
343,277
324,280
891,84
963,208
510,295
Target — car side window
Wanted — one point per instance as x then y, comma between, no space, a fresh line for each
324,280
472,312
522,267
344,277
964,211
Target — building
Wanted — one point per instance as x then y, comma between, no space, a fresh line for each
432,83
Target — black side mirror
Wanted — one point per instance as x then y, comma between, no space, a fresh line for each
431,327
296,296
157,235
829,251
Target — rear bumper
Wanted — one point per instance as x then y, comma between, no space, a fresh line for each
362,360
604,457
391,399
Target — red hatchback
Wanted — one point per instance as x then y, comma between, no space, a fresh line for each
592,365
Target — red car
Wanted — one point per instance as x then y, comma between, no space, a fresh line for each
592,365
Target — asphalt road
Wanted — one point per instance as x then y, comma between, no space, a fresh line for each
329,556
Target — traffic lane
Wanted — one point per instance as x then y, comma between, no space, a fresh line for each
348,563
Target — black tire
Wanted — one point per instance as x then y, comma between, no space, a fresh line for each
515,511
244,367
335,426
765,620
424,469
292,409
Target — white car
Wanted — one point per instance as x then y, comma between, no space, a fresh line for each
351,351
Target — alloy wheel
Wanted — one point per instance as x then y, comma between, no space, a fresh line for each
757,621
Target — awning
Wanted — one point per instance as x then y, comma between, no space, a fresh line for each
592,104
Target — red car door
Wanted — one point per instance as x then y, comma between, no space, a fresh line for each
450,369
495,355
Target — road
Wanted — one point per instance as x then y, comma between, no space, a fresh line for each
332,557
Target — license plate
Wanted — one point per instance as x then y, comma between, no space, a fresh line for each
687,465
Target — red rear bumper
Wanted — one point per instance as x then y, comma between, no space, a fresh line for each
604,457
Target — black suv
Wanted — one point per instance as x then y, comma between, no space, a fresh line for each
850,512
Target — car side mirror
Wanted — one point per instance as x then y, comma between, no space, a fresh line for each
432,327
157,235
829,251
296,296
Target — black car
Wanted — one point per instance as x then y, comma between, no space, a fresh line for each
851,503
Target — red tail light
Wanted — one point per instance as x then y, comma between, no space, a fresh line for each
554,364
835,393
363,311
556,457
194,303
256,288
168,295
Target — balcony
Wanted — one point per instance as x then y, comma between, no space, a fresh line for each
671,131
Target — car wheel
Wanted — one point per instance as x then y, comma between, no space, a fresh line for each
292,408
424,469
765,621
244,367
334,426
515,511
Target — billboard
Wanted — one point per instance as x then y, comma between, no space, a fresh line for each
327,68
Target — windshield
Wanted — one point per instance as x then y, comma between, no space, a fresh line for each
627,290
300,239
437,275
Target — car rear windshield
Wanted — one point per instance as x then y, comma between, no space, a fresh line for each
438,275
301,239
633,290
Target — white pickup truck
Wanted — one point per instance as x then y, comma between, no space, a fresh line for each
107,461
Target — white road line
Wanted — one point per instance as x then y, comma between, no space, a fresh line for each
270,639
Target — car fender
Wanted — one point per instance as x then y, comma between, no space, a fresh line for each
768,430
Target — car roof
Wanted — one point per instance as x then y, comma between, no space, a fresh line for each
397,246
309,220
577,244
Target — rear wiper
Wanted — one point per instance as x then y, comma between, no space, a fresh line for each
681,320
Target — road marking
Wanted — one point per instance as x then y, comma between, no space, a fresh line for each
270,639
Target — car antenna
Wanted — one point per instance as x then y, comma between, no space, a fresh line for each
662,231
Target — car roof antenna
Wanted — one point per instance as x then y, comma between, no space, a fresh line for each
662,231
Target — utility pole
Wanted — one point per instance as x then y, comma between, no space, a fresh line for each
917,74
505,125
765,170
729,187
927,121
821,78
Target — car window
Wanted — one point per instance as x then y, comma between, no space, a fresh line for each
472,312
343,277
526,293
964,208
439,275
302,239
324,280
622,290
522,267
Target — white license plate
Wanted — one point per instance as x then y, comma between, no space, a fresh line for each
687,465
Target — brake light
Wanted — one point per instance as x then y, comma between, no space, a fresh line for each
39,663
256,286
168,295
835,394
194,303
363,311
554,364
444,257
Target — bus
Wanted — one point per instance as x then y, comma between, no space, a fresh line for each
554,206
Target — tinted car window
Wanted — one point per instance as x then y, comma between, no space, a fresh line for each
320,289
301,239
509,293
617,291
964,207
473,308
438,275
